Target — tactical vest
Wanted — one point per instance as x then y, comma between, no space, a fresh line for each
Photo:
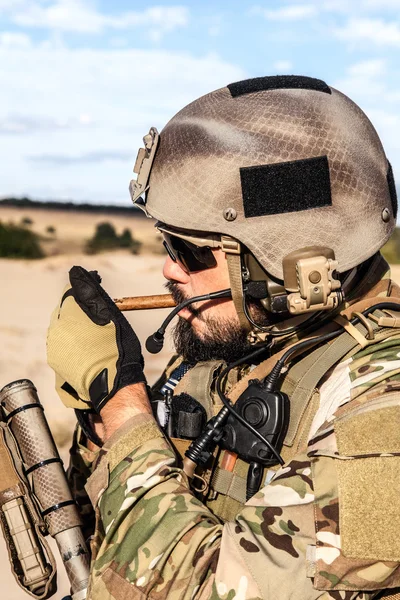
224,484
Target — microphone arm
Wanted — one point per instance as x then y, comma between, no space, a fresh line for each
155,342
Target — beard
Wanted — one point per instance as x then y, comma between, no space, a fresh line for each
223,339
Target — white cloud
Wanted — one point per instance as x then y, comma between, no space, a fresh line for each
215,24
383,118
291,12
364,80
368,68
387,125
66,15
10,39
340,6
94,105
83,17
119,42
11,5
282,66
381,4
96,157
350,7
372,31
18,124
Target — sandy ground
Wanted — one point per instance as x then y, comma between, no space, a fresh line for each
29,290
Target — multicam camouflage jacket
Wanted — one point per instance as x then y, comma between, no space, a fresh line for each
325,526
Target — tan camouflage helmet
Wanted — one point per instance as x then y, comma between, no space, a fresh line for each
279,163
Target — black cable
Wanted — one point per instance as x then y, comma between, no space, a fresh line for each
212,296
228,405
381,305
271,379
267,329
243,421
155,342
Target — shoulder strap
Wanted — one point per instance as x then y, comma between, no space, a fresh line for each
301,384
197,382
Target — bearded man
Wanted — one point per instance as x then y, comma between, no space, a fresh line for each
265,463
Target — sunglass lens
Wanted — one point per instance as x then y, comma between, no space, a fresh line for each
192,257
169,250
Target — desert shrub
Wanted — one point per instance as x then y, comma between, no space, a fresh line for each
135,246
27,221
391,250
18,242
106,238
51,230
126,239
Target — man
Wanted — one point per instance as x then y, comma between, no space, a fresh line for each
278,190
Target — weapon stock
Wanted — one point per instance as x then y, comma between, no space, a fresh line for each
35,498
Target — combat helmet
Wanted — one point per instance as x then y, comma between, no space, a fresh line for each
279,164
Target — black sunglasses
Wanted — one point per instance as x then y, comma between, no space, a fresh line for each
191,257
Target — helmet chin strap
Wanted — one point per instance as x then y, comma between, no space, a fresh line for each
232,251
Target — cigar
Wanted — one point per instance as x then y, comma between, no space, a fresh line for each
145,302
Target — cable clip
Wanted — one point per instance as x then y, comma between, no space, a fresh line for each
392,321
362,340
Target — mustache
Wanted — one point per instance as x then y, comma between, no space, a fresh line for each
179,296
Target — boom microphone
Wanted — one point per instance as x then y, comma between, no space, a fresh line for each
155,342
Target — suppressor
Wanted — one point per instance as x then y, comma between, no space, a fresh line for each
24,415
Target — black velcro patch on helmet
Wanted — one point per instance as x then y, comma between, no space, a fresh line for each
286,187
278,82
392,189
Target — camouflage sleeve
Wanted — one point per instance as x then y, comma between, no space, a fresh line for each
157,540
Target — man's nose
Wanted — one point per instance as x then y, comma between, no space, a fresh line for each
174,272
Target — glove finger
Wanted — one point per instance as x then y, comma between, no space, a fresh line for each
90,296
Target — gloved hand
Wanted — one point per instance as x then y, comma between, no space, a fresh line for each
90,345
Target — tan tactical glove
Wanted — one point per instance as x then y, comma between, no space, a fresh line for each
90,345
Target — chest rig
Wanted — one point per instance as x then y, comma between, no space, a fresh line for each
222,485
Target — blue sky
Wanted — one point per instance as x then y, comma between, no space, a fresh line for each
82,81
